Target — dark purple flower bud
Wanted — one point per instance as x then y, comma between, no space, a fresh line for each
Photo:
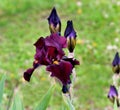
28,73
116,63
54,22
61,71
113,94
116,59
70,34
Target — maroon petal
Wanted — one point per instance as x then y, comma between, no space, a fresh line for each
51,54
60,40
49,49
73,61
40,43
40,51
56,41
36,64
61,71
28,73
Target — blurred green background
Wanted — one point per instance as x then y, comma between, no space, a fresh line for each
97,23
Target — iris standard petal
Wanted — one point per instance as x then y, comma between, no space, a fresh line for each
56,41
73,61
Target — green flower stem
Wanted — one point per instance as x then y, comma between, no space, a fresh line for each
68,101
69,96
71,55
115,80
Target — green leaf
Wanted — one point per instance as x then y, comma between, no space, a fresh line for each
115,105
17,104
2,87
68,102
45,100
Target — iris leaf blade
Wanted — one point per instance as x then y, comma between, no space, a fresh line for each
2,82
17,104
45,100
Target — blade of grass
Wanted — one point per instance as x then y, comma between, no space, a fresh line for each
2,82
17,104
46,99
115,105
68,102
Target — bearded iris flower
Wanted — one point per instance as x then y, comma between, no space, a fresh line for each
54,22
113,94
49,52
116,63
70,34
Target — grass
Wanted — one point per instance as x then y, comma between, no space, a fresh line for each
97,24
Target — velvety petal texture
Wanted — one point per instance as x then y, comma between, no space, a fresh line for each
73,61
54,22
49,49
62,71
28,73
70,34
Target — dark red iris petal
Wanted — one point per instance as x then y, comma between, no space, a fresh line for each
71,60
28,73
62,71
40,43
56,41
